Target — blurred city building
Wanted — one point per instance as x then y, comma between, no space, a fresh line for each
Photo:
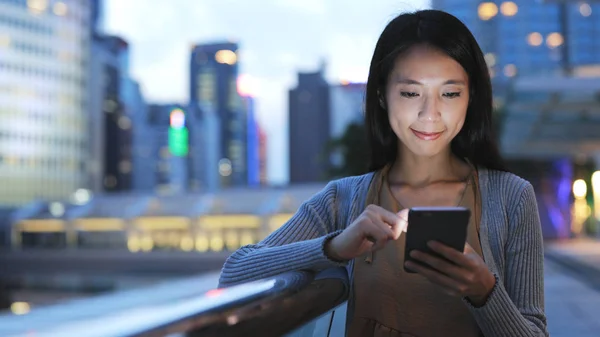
309,127
214,88
44,138
110,126
223,220
528,38
169,142
252,142
346,107
262,156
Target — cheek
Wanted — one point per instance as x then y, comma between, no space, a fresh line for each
404,111
455,116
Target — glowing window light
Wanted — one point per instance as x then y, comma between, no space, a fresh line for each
247,238
226,57
133,244
554,40
147,243
490,59
187,243
585,9
487,10
596,193
579,189
509,8
202,243
535,39
37,6
216,243
60,9
510,70
20,308
232,241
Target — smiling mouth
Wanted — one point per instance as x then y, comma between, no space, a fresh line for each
427,135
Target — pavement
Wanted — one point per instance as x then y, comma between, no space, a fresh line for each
572,284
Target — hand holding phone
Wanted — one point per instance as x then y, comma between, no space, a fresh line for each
440,253
447,225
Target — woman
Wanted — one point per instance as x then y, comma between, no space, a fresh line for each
428,118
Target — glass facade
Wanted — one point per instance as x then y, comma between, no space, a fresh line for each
44,50
213,86
525,37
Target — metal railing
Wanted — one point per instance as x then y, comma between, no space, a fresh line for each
293,304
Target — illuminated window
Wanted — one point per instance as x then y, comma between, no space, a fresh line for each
225,168
206,86
226,57
554,40
125,166
490,59
510,70
585,9
535,39
37,6
234,101
509,8
487,10
4,40
124,123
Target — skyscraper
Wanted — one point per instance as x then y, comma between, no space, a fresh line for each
170,146
262,157
346,106
252,143
309,131
213,85
43,99
532,37
111,115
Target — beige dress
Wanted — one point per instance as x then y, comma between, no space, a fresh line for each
390,302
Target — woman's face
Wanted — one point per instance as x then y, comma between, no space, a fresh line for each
427,98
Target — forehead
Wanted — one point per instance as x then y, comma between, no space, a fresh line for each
425,62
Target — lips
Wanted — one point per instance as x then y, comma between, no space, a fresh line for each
427,135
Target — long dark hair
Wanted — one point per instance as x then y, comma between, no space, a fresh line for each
445,32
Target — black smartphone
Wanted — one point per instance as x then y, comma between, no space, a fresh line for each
447,225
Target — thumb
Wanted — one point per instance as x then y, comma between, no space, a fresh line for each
403,223
468,248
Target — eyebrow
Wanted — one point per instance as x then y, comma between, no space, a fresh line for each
410,81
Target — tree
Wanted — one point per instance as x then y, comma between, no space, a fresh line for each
348,154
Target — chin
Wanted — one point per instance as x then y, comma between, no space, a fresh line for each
426,152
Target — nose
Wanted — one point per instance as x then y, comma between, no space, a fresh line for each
430,110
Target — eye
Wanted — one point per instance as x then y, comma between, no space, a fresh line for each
452,94
408,94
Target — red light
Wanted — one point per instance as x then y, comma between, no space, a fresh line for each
213,293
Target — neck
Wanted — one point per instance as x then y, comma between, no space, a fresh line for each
420,171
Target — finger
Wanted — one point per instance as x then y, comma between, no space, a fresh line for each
390,219
377,235
436,277
387,229
469,249
403,224
449,253
439,264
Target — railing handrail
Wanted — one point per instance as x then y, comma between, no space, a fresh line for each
269,307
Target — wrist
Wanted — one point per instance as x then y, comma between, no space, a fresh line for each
330,251
490,285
